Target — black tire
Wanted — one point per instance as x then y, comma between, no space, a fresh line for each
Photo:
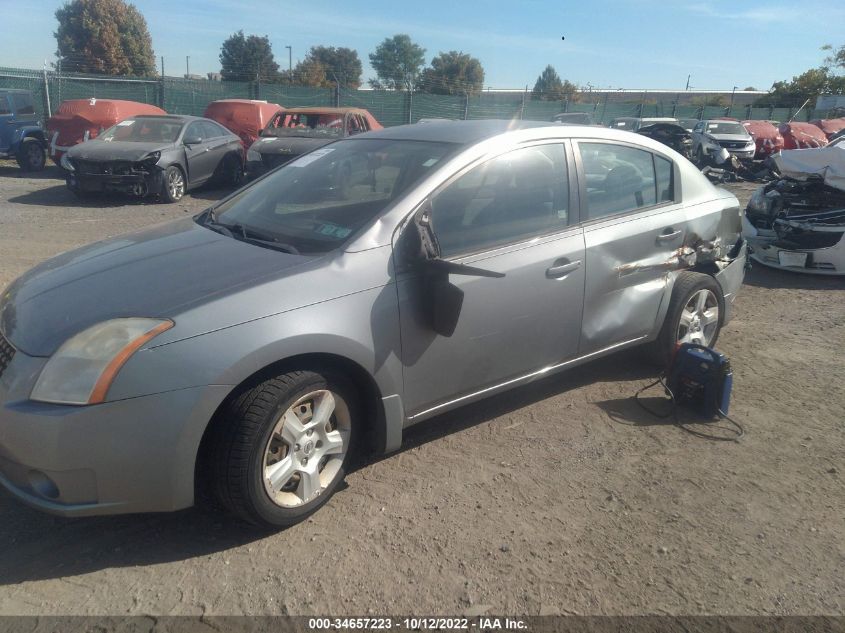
231,171
237,451
170,193
686,286
31,155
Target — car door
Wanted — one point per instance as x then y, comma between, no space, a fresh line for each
509,215
201,161
219,140
634,224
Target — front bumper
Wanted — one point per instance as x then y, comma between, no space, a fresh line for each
133,455
814,261
138,183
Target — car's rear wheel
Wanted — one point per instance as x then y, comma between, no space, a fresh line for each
231,171
173,187
281,447
695,315
31,155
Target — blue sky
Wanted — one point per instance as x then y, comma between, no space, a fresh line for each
615,43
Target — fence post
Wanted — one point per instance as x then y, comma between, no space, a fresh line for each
466,105
47,108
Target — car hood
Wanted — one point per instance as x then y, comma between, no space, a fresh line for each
115,150
160,272
289,145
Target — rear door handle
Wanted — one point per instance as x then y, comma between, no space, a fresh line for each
562,270
668,237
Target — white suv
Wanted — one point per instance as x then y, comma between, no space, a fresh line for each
711,135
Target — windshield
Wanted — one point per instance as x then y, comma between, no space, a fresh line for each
725,127
144,131
315,203
313,124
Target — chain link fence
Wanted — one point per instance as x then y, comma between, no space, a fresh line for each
191,96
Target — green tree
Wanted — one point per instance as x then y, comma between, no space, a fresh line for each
808,85
340,64
826,79
247,58
107,37
397,62
550,87
836,57
453,73
310,72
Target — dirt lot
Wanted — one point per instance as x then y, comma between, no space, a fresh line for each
560,497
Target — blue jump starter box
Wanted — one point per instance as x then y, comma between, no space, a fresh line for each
701,379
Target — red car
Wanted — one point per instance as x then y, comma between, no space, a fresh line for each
829,126
801,136
78,120
244,117
766,137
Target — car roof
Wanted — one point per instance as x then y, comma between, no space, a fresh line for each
454,131
325,110
171,117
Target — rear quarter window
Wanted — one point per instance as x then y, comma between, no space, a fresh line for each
23,104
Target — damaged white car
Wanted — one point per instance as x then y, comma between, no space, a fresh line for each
798,221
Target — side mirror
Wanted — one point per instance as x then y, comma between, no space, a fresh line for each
442,299
192,140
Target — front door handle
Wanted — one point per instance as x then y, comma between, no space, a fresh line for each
668,237
562,270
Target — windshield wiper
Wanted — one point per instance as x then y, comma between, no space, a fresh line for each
240,232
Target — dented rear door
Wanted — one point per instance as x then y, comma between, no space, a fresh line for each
634,227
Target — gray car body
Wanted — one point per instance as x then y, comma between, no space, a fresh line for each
240,309
199,161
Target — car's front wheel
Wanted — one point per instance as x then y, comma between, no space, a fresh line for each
694,315
173,187
281,448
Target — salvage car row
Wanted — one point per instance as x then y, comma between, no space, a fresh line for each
136,148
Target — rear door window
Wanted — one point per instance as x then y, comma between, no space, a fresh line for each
4,105
23,104
619,178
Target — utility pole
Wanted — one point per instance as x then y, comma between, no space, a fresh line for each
290,64
187,66
161,86
731,107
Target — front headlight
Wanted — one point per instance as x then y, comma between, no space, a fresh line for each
66,164
151,158
252,155
82,369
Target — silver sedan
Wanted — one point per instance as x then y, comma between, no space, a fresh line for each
369,285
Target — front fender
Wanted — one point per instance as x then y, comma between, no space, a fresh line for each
32,131
361,328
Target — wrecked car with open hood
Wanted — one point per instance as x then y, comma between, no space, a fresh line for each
670,134
297,319
162,155
797,222
297,131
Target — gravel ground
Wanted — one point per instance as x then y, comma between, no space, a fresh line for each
559,497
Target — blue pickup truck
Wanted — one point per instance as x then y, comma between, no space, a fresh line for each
21,134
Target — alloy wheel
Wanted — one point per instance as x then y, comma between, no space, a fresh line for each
175,184
306,448
699,321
